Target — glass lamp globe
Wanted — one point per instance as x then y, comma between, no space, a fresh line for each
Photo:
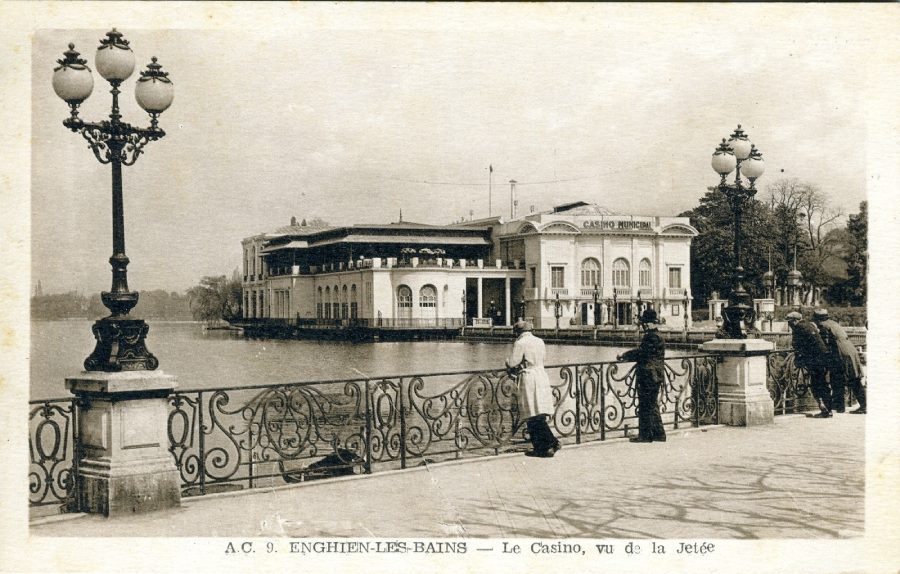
154,90
73,80
740,144
753,167
723,160
114,60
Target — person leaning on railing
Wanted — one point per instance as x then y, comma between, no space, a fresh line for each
650,374
811,353
526,363
844,366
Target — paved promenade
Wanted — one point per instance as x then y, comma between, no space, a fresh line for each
798,478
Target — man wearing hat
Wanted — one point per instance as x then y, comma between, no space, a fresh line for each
811,354
650,374
535,397
844,367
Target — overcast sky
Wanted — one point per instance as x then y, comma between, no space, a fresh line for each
621,109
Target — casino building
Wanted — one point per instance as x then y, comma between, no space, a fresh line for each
575,265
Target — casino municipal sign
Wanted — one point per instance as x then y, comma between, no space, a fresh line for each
618,224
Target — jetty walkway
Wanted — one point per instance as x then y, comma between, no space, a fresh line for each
797,478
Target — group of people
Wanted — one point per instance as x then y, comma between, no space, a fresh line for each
536,399
822,347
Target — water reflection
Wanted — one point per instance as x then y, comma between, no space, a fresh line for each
204,359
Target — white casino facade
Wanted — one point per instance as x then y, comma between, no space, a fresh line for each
575,265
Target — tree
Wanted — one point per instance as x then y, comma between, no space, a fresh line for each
857,256
804,223
712,251
215,299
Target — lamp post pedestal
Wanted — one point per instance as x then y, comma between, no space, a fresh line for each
124,465
120,346
744,399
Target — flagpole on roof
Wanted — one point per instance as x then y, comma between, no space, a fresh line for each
490,186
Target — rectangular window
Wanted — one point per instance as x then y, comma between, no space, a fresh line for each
557,277
675,277
534,277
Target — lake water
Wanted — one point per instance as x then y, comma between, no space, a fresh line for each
206,359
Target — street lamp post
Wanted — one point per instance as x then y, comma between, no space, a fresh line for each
596,306
522,308
557,310
728,157
463,301
615,311
120,338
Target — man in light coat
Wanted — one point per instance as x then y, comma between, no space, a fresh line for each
526,362
844,367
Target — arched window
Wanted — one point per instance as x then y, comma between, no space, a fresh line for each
327,303
644,273
404,297
319,304
590,272
621,274
345,307
428,296
354,302
335,303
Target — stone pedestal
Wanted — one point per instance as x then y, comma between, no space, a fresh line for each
124,464
743,397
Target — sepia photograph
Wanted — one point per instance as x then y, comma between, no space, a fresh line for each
461,287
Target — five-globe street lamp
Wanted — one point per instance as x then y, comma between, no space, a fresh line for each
120,338
737,154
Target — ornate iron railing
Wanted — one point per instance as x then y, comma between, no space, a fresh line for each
788,384
251,436
52,451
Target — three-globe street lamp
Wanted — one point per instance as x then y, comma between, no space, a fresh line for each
737,155
120,338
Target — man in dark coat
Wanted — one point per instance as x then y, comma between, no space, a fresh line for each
650,374
811,354
844,367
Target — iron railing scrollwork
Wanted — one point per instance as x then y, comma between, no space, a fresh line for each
261,436
52,449
244,437
787,382
789,386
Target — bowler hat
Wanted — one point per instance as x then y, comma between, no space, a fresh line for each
649,316
820,314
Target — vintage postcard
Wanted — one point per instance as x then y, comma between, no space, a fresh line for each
449,287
